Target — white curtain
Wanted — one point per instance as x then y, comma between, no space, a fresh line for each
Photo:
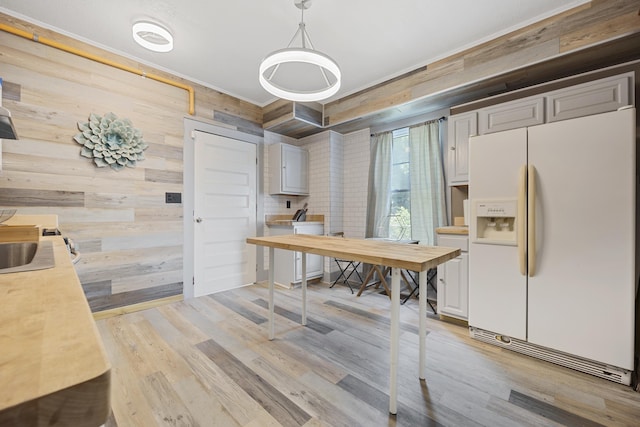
379,197
428,206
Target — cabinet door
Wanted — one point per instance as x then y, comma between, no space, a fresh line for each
590,98
453,287
314,266
315,263
288,169
511,115
295,178
453,278
461,127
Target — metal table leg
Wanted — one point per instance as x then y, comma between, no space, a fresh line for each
271,280
395,339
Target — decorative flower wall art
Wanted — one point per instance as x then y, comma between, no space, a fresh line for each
111,141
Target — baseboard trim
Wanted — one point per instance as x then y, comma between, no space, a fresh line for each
105,314
453,320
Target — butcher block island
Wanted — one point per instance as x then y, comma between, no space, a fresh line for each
409,257
396,255
54,370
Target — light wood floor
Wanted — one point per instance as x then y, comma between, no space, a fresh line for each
208,362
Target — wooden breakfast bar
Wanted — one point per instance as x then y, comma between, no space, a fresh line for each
395,255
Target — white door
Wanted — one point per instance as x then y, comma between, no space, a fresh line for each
224,213
497,290
581,297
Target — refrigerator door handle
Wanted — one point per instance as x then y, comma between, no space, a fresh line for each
531,218
521,218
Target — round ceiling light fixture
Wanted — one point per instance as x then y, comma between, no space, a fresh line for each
300,55
152,36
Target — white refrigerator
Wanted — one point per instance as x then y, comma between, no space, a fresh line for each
552,266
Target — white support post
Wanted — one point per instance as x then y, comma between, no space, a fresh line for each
304,288
422,328
395,339
271,280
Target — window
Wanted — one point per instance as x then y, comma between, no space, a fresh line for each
399,224
406,185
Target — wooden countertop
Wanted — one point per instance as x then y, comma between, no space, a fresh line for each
291,223
390,254
286,221
454,229
53,366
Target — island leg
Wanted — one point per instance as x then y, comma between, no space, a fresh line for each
422,323
304,288
395,339
271,280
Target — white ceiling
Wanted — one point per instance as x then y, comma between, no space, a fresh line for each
220,43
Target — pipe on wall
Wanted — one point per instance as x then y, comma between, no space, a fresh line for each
52,43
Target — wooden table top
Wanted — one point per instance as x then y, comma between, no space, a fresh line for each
51,355
387,253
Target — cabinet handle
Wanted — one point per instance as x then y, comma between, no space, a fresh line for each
452,148
198,220
442,280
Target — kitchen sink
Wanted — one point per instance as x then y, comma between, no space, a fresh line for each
17,254
26,256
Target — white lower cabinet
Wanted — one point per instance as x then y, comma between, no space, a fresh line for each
288,264
453,278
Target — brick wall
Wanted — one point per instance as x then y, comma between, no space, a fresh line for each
356,179
338,180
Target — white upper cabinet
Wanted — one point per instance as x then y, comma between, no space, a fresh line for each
590,98
288,168
512,115
584,99
461,127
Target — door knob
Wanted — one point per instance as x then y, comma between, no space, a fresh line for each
198,220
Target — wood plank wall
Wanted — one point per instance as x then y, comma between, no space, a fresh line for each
130,239
584,26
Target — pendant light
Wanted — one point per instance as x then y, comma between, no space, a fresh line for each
305,54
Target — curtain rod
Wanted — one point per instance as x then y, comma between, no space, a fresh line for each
440,119
429,121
